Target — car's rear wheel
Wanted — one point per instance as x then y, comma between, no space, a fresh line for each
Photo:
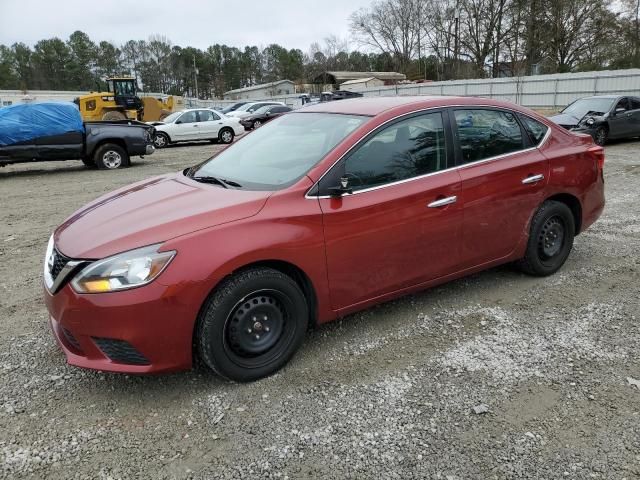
110,157
601,136
226,135
161,140
550,239
252,324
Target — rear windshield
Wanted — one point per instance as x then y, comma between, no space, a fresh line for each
281,152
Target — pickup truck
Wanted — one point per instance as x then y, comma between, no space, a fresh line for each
55,131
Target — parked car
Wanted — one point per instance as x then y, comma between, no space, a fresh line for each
234,107
249,108
322,212
196,124
263,115
46,131
603,117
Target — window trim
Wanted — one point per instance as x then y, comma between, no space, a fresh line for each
309,195
527,143
449,151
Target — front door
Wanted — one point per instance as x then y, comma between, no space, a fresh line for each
401,225
186,127
620,120
503,181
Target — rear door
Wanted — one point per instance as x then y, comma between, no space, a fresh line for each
503,181
401,226
209,124
634,111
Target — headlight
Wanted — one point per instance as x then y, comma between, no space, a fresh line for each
123,271
590,121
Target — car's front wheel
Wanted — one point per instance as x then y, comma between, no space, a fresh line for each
601,136
550,239
252,324
160,140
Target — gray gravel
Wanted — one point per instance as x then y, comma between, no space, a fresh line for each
497,375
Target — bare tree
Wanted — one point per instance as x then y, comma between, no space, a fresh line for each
391,27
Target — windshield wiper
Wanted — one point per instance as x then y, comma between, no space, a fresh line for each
210,179
217,181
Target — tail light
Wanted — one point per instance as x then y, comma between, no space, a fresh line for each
597,152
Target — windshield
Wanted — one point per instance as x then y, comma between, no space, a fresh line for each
264,109
280,153
172,118
244,107
581,107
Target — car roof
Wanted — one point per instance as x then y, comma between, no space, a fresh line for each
373,106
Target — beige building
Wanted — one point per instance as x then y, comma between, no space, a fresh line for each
362,84
259,92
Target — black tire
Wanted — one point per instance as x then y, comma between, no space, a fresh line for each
110,157
226,135
550,239
601,135
161,140
257,124
252,324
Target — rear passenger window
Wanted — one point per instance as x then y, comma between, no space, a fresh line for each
406,149
534,128
486,133
635,103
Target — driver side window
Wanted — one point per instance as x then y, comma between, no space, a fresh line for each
406,149
622,104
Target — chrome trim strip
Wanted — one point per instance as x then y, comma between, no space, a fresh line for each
62,276
533,179
443,202
457,167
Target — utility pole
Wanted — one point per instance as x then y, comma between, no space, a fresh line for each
195,75
456,45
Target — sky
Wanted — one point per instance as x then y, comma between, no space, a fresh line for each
196,23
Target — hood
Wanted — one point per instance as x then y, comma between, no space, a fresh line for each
564,120
152,211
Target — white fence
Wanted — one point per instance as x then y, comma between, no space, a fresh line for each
541,91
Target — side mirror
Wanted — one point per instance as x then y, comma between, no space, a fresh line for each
342,189
178,122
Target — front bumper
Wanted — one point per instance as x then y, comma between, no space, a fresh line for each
143,330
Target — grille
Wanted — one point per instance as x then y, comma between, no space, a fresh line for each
71,339
59,261
120,351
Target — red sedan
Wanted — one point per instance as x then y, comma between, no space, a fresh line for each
318,214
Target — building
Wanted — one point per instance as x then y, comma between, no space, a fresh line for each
362,84
338,78
259,92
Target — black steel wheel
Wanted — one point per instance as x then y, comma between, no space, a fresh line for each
550,239
252,324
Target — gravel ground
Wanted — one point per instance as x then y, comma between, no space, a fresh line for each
497,375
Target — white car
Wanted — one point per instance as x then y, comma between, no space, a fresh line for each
249,108
196,124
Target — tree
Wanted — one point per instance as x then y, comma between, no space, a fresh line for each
82,61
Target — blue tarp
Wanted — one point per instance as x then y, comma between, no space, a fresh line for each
20,123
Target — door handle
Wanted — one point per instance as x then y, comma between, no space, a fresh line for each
443,202
533,179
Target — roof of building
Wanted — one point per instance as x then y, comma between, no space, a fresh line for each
345,76
360,80
259,87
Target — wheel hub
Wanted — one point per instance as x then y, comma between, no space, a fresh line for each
112,159
551,237
256,325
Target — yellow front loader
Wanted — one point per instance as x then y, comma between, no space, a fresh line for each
121,102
